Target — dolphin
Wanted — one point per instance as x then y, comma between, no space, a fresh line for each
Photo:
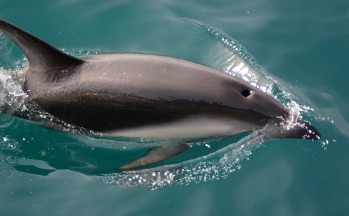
145,95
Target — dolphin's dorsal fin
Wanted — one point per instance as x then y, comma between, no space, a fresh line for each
38,52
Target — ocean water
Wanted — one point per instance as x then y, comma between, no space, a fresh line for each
297,52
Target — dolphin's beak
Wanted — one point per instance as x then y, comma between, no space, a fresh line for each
312,133
302,130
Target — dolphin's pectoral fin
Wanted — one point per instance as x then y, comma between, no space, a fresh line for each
155,155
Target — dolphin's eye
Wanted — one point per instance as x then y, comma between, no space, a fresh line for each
246,92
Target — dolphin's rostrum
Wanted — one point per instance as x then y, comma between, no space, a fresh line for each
146,95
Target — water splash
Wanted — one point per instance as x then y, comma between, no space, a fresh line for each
238,61
214,166
12,97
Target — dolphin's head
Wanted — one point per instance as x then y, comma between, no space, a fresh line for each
260,102
277,114
242,95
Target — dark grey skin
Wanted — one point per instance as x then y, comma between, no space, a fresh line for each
146,95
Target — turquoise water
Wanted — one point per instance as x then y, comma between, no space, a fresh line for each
302,45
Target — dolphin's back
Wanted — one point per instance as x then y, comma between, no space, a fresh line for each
117,91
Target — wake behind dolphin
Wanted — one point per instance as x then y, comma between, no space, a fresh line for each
143,95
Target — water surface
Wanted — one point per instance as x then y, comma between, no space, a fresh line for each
302,45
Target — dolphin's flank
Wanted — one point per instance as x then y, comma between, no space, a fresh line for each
143,95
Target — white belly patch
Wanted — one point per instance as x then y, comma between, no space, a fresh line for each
188,128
